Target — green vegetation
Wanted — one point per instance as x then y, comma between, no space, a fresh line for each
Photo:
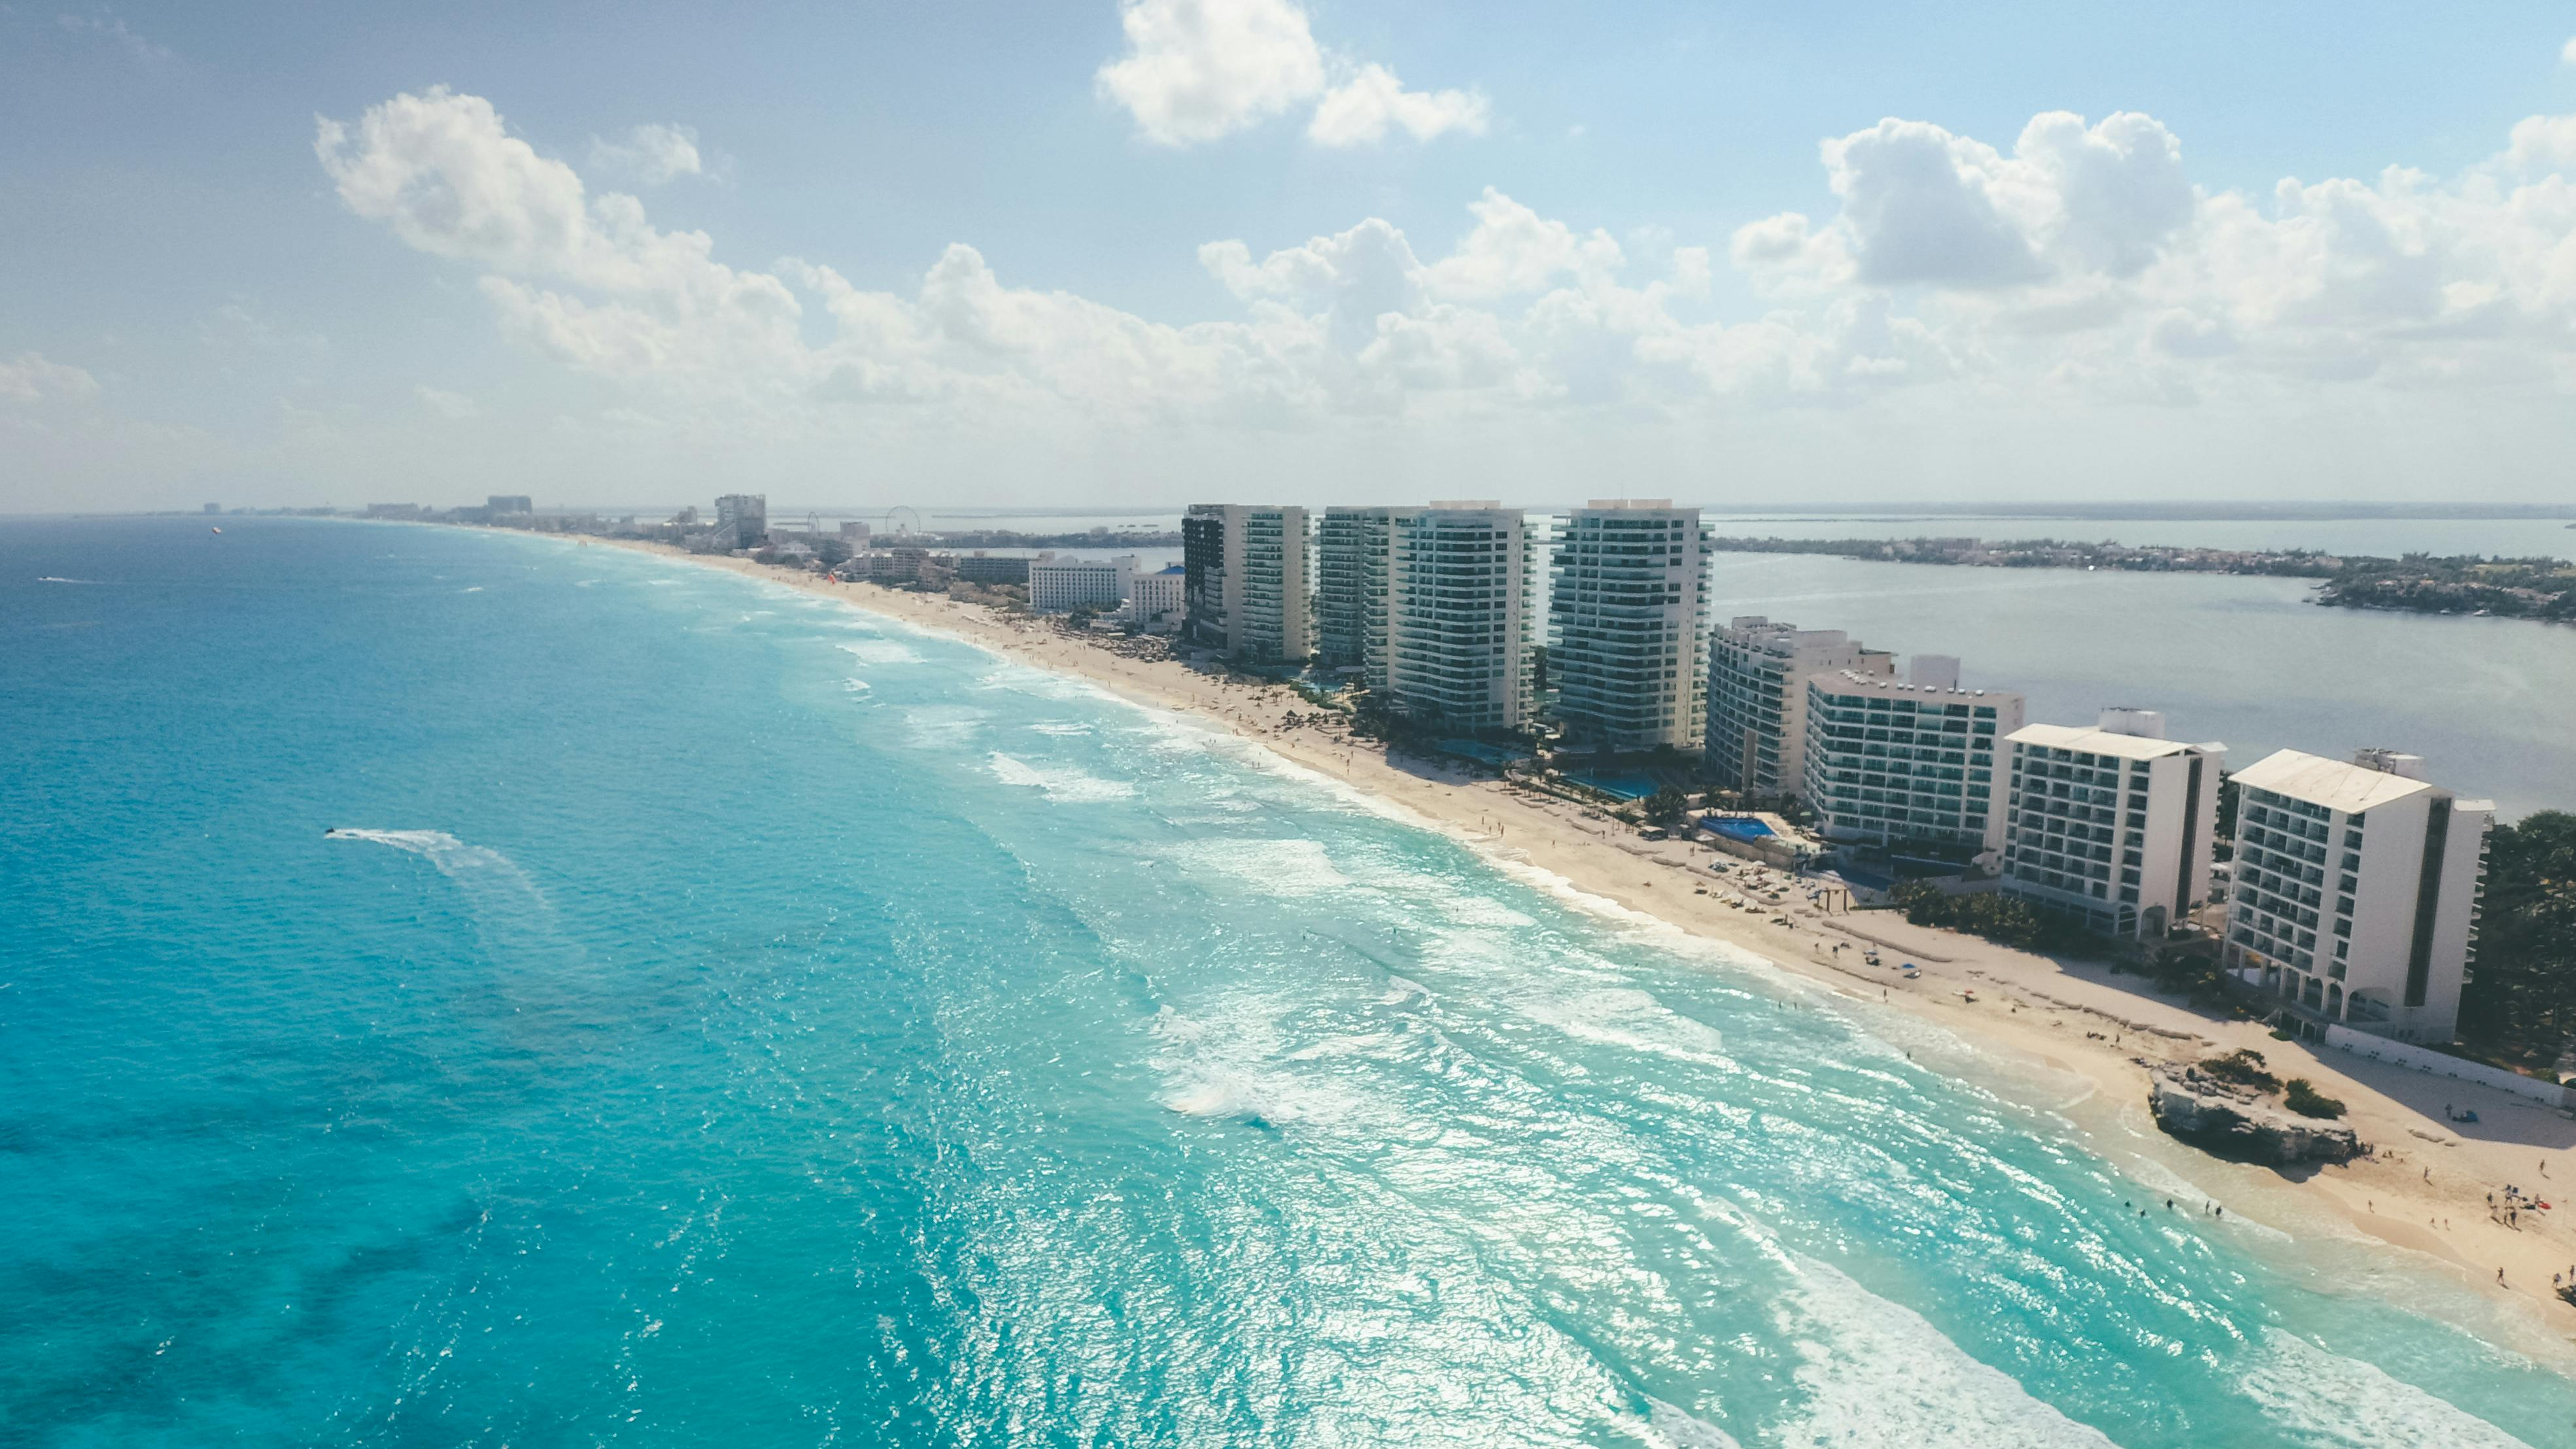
2520,1004
2522,588
1992,914
1668,807
2244,1067
2302,1097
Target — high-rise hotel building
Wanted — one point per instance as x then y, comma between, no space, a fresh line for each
1247,591
1757,699
1628,621
2111,825
1911,766
1354,549
1461,628
2355,892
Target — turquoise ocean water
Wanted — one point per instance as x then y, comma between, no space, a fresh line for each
739,1021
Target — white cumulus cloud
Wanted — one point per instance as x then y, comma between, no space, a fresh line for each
653,154
2082,268
34,378
1198,70
1360,111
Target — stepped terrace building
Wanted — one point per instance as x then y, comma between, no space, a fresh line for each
2110,825
1757,699
1246,585
1628,616
1355,548
1461,636
1909,767
2355,897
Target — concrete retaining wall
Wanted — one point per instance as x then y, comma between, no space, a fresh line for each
2415,1058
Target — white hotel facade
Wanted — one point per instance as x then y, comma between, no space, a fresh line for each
1912,766
2355,894
1757,699
1062,585
2111,825
1628,616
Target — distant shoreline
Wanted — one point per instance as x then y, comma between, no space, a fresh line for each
2538,587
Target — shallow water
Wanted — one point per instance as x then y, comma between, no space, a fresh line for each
727,1019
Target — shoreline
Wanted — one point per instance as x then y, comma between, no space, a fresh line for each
2420,1200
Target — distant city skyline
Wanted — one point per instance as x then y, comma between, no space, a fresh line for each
1137,253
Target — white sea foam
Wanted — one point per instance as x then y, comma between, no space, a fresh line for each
476,589
881,651
50,579
1226,1065
1877,1375
942,726
1060,727
1668,1427
2332,1400
1063,784
1291,868
1634,1020
856,685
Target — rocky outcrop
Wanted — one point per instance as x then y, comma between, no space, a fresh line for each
2238,1122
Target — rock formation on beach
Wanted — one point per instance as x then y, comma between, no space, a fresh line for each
2237,1122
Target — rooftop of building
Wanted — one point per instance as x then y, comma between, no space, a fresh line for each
1882,684
2333,784
2094,741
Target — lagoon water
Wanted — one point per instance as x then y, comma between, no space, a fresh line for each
728,1019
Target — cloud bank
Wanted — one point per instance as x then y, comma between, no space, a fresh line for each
2083,267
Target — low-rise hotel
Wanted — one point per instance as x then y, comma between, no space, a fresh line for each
2354,900
1155,600
2110,825
1062,585
1757,699
1910,766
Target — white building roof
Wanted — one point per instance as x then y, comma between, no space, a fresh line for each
2330,783
2104,742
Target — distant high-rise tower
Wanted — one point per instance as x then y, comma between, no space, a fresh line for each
743,518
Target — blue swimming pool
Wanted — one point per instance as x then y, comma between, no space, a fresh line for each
1736,827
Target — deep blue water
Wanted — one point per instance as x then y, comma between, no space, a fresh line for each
733,1020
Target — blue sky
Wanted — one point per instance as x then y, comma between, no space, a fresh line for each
976,253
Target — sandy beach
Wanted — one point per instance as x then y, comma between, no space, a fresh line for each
2081,1038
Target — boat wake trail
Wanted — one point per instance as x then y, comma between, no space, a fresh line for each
508,908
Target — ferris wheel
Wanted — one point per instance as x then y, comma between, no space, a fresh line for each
902,522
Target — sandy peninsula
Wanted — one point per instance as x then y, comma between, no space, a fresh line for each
2074,1034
